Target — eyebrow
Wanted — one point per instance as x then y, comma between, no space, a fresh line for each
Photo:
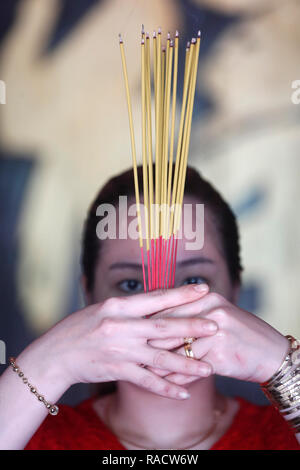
186,262
192,261
125,265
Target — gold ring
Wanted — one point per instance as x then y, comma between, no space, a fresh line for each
189,340
188,350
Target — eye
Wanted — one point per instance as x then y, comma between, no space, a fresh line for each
130,286
195,280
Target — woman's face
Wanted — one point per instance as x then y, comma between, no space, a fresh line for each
119,269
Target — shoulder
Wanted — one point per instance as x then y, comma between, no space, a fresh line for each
258,428
73,428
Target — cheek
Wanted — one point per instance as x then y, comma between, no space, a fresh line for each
100,291
223,284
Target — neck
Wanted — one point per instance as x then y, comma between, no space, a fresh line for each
151,421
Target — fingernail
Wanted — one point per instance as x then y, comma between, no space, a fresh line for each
184,395
200,287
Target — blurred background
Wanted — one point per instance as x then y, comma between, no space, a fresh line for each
64,131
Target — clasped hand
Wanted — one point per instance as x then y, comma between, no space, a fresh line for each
110,340
242,347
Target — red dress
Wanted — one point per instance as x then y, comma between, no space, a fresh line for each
79,428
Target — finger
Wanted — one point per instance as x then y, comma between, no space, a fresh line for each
200,349
181,379
199,307
155,301
172,328
160,372
173,362
149,381
175,377
168,343
160,328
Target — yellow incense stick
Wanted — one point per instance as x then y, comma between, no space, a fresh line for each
189,123
171,157
132,138
167,185
170,48
162,120
179,143
149,135
144,144
157,131
189,79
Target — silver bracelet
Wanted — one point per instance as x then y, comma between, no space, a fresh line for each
52,409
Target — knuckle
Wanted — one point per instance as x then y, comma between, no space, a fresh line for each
114,350
222,335
160,324
220,351
215,298
147,381
167,389
196,324
110,304
114,304
221,315
159,293
189,366
220,356
108,327
159,359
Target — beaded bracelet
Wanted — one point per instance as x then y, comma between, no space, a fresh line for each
283,388
52,409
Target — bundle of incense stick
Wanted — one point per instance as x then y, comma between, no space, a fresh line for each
164,182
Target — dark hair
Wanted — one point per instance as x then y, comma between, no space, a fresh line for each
195,186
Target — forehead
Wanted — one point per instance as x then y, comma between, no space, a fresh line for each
128,249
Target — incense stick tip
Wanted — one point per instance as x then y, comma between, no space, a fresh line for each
120,38
147,35
154,34
159,31
168,36
143,29
177,34
143,41
193,41
199,34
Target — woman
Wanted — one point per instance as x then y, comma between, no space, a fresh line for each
163,399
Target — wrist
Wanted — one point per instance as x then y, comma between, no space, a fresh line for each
276,360
43,372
